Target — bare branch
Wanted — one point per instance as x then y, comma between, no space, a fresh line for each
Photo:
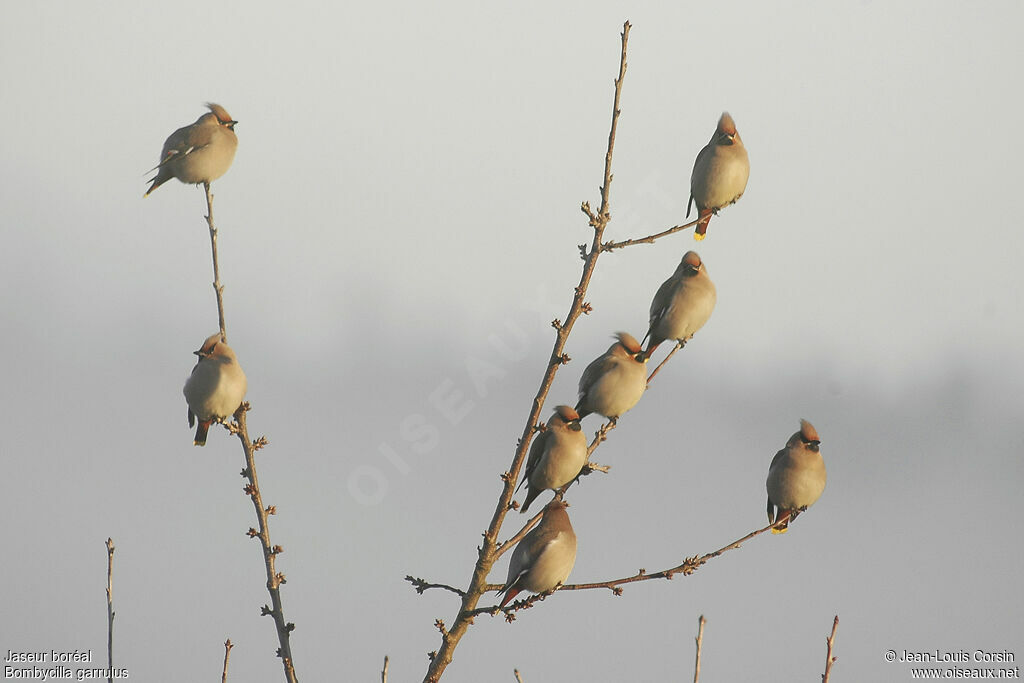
700,641
532,522
829,659
252,489
218,288
110,609
227,655
609,246
688,566
519,679
384,671
671,353
420,585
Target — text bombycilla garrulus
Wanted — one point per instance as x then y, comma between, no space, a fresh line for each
796,477
545,556
199,153
215,388
557,455
719,174
614,382
683,303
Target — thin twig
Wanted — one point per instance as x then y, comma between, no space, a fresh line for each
600,436
110,609
384,671
217,286
689,566
532,522
487,553
249,447
420,585
609,246
227,654
671,353
829,659
700,641
519,679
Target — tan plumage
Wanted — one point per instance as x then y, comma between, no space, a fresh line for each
683,303
545,556
198,153
796,478
614,382
719,175
215,388
557,455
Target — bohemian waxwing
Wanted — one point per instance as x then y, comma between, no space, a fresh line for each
545,556
199,153
719,174
683,303
615,381
796,477
215,388
556,456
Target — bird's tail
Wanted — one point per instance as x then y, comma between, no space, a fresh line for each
702,227
201,431
510,593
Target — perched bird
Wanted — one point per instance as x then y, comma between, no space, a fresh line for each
719,174
796,477
615,381
556,456
199,153
215,388
545,556
683,303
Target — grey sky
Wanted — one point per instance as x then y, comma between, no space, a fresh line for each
406,191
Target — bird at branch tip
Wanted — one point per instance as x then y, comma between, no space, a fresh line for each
200,152
719,175
215,388
557,455
614,382
682,305
545,556
796,477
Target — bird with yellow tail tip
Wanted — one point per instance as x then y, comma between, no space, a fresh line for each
796,477
719,175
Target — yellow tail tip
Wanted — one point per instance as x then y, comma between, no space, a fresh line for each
776,530
697,236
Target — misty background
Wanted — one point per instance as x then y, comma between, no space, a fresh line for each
398,230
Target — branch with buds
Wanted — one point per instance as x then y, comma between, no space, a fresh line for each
239,428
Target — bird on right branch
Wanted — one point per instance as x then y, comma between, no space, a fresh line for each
719,174
796,478
544,558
